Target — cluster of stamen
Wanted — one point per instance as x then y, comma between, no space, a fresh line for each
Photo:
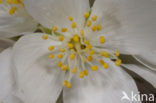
15,4
78,46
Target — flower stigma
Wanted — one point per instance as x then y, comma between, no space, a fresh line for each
79,54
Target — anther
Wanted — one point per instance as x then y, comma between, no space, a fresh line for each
12,10
105,54
45,37
105,65
61,38
94,68
72,56
60,64
99,27
93,28
118,62
90,58
54,28
51,56
62,50
73,25
85,72
102,39
50,48
94,18
89,23
74,70
101,62
91,52
81,75
59,56
64,29
70,18
82,32
76,38
86,15
64,68
117,53
70,45
69,85
65,83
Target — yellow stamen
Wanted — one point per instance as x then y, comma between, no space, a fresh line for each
74,70
51,56
99,27
82,32
59,56
12,10
94,18
45,37
62,50
65,83
101,62
89,23
105,65
76,38
89,47
90,58
64,68
86,42
93,28
85,72
50,48
72,56
94,68
70,18
69,85
54,28
91,52
73,25
81,75
118,62
105,54
86,15
117,53
102,39
59,64
61,38
64,29
70,45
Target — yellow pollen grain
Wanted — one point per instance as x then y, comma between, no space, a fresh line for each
64,29
94,68
74,25
85,72
70,18
118,62
81,75
59,56
64,68
94,18
86,42
90,58
54,28
61,38
89,47
70,45
50,48
117,53
86,15
89,23
62,50
65,83
51,56
99,27
102,39
12,10
82,32
60,64
76,38
72,56
74,70
101,62
45,37
93,28
105,65
105,54
91,52
69,85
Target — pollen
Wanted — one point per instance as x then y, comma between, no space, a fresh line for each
94,18
72,56
12,10
69,85
50,48
65,68
85,72
45,37
105,65
73,25
117,53
70,18
51,56
99,27
102,39
90,58
86,42
91,52
105,54
82,32
89,47
62,50
81,75
101,62
54,28
65,83
64,29
118,62
76,38
60,64
70,45
74,70
94,68
61,38
93,28
86,15
59,56
89,23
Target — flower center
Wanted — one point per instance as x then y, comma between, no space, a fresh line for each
78,51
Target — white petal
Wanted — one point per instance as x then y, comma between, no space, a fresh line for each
15,24
148,59
31,47
56,12
145,73
101,86
7,82
129,23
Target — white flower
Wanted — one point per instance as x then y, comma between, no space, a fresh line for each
80,54
14,19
